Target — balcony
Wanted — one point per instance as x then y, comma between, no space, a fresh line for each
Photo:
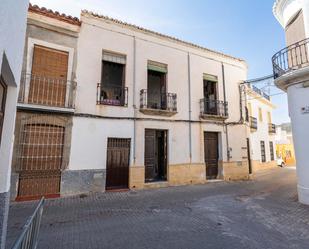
164,104
112,95
46,93
210,109
291,58
272,128
253,123
259,91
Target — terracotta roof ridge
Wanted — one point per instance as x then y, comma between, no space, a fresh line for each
54,14
117,21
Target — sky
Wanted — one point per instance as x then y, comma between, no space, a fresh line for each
242,28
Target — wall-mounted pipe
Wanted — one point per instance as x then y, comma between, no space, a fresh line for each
134,99
226,125
190,108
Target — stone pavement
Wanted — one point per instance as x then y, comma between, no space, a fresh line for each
263,213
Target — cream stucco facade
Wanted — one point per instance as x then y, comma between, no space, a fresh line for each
261,130
186,65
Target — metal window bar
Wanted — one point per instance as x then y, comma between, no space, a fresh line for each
46,91
214,107
30,233
271,148
41,141
158,101
253,123
272,128
258,91
112,95
291,58
263,154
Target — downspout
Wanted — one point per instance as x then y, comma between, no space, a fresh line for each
134,100
226,126
190,108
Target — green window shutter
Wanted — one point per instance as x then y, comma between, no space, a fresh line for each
156,66
210,77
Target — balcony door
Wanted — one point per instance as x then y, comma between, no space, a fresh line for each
295,29
113,79
210,94
48,81
156,86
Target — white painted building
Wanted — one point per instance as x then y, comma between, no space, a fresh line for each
291,72
185,67
262,130
12,28
146,110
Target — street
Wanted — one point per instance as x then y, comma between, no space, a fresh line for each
261,213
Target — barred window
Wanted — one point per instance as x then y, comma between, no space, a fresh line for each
271,148
263,156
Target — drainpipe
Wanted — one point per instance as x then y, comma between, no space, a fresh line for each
134,99
190,108
226,126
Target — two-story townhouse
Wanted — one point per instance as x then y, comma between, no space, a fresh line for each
291,73
45,104
150,110
261,140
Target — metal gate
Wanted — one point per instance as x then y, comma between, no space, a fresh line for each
40,160
117,163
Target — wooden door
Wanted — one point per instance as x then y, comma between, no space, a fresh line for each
48,77
117,163
41,161
211,154
151,162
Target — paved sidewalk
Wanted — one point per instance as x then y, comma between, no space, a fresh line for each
263,213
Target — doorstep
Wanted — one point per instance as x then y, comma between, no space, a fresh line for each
214,180
161,184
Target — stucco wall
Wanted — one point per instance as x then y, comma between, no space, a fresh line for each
284,10
12,27
262,132
97,35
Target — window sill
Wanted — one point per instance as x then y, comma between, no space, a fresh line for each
109,104
159,112
213,117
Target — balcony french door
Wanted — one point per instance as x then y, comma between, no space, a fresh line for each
48,81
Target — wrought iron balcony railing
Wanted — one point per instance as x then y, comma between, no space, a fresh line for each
46,91
253,123
272,128
259,91
112,95
291,58
158,101
214,108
